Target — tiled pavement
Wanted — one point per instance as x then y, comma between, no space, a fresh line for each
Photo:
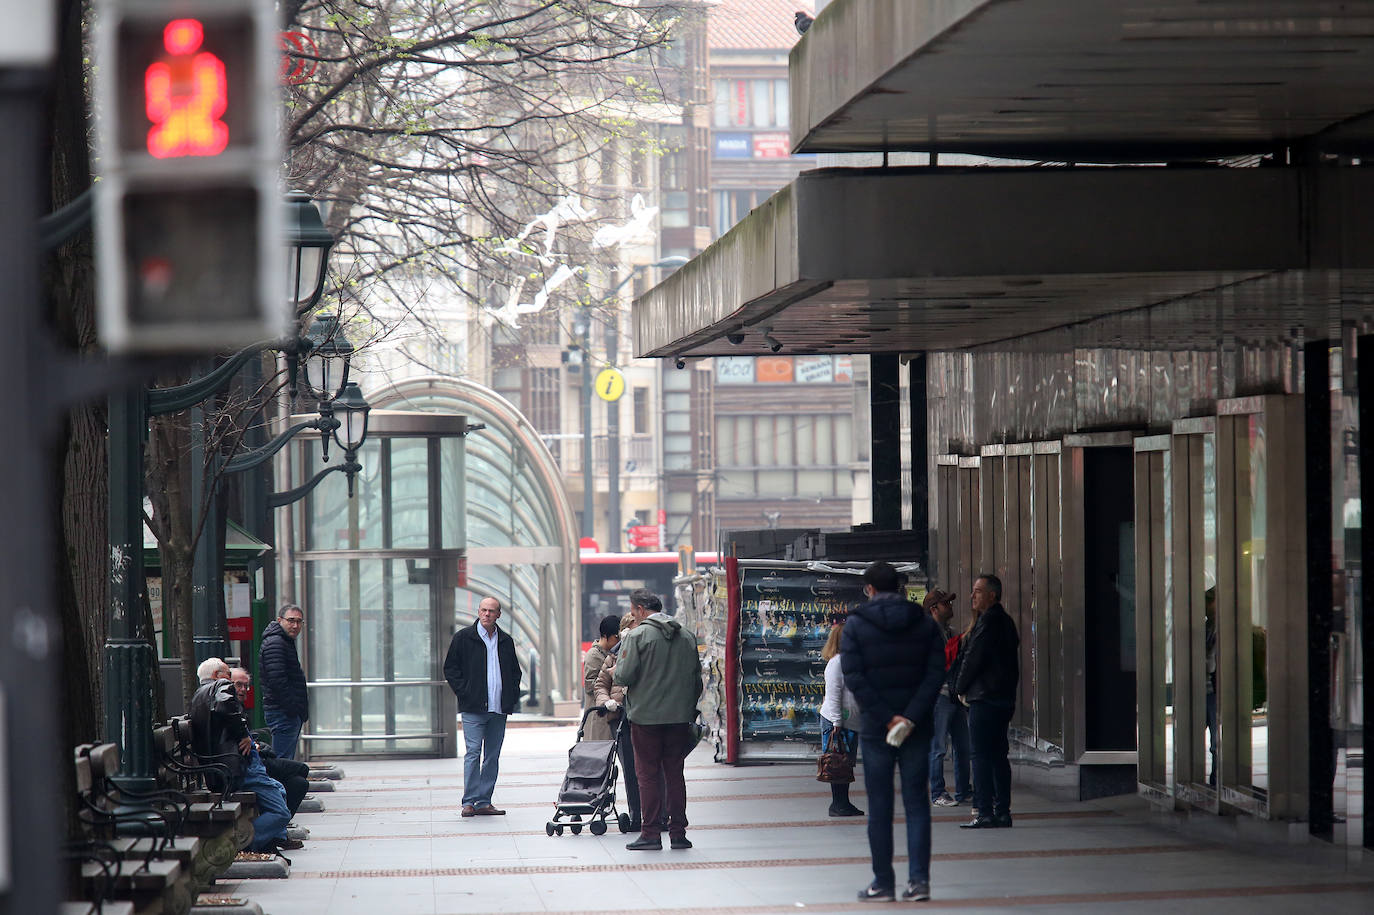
392,842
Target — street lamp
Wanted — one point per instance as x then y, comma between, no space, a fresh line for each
349,424
351,410
327,359
307,262
307,249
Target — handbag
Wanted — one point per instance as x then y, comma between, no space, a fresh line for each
699,730
836,763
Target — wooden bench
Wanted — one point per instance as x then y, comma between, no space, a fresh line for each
130,854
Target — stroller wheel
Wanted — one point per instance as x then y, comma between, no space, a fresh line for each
598,828
558,829
623,821
549,828
576,828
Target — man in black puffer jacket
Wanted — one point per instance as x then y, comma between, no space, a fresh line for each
893,658
285,705
987,681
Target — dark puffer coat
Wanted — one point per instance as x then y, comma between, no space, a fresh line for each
279,671
989,670
893,658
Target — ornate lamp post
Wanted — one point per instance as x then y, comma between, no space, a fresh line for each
130,660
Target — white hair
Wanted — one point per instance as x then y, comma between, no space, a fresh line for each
208,668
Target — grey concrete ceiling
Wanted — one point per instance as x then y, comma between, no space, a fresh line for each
1086,80
889,260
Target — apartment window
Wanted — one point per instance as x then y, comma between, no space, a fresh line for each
641,411
732,206
542,407
607,166
750,103
784,454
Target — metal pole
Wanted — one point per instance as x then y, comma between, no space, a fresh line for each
613,436
588,475
30,653
130,660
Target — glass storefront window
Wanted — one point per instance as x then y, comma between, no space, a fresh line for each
1252,616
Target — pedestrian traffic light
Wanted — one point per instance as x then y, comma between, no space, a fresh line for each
189,243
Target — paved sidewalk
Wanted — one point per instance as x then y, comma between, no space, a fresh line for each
392,842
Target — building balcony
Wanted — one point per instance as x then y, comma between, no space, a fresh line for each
637,459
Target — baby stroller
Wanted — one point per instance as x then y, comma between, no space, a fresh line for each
589,785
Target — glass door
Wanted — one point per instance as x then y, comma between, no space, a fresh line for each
1260,606
379,576
1155,691
1190,619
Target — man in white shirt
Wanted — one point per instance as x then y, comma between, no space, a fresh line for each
484,674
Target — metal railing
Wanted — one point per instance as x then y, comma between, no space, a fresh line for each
637,454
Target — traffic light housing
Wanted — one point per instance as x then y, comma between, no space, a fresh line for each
189,234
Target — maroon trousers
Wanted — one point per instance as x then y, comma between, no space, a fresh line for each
660,751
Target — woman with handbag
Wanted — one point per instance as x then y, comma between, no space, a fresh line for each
839,744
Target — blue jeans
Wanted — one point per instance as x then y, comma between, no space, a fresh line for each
880,761
270,823
950,720
850,738
987,731
481,730
286,730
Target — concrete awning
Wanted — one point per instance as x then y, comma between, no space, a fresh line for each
1085,80
901,260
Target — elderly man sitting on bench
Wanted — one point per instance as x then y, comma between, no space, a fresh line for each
219,731
293,774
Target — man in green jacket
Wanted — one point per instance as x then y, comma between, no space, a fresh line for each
661,671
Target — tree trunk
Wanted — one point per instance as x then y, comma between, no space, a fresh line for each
81,557
168,486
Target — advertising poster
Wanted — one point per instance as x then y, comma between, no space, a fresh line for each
784,622
734,369
813,370
772,145
732,146
773,370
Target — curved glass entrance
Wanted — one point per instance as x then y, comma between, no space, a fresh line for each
440,520
377,576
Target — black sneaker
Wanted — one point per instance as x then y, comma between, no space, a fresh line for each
845,810
643,844
679,842
1001,821
875,893
916,891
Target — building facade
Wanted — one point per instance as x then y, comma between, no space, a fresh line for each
1133,344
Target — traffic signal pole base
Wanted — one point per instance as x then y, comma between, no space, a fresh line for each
130,675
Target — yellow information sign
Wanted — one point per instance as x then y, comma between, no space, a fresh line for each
610,384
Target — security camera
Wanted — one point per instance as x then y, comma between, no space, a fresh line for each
736,338
681,363
774,344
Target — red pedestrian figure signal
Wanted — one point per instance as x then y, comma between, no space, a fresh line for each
185,94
